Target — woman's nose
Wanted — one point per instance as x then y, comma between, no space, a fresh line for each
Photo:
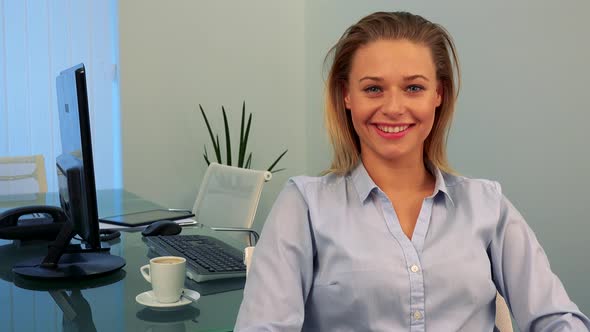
393,104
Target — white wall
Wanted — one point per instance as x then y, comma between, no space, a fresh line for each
177,54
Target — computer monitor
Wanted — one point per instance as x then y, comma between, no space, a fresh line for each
77,192
76,158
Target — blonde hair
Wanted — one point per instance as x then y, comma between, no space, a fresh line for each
378,26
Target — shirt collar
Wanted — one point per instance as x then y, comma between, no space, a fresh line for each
362,182
364,185
439,185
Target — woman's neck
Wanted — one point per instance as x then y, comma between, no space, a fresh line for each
400,176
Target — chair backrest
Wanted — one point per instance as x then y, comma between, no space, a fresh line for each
22,175
503,319
228,196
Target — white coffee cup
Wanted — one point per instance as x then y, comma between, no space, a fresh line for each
166,274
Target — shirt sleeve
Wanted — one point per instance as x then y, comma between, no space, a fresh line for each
536,297
281,271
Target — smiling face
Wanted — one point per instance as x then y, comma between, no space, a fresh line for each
392,93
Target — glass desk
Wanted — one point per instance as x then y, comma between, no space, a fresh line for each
111,202
108,303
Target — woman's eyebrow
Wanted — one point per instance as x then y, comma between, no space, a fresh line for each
405,78
372,78
413,77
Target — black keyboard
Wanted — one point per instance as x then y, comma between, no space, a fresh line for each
207,258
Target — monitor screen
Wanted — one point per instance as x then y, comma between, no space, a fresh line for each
76,158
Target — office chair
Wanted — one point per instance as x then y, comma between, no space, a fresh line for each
228,198
22,175
503,318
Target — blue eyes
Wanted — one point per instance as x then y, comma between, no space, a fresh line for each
374,89
414,88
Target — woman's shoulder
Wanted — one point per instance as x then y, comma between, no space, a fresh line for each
316,186
463,184
305,182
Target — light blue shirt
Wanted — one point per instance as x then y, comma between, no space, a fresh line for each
333,257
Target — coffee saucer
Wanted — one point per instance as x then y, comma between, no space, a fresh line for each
148,299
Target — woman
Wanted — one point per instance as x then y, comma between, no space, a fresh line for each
390,239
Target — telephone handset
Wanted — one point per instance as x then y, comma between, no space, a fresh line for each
44,224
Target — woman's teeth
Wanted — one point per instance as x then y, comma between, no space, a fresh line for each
394,129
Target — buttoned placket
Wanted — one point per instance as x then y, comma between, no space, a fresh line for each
411,250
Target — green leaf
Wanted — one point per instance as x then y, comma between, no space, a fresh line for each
206,156
249,161
215,146
247,134
218,150
276,161
242,147
227,138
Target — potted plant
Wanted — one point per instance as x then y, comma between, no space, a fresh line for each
244,158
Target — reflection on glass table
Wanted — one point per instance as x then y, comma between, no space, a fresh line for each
77,312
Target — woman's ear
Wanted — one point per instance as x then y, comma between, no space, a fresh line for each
346,94
439,93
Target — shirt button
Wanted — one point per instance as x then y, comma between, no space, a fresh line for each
417,315
414,268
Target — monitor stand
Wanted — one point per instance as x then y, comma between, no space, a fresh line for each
86,263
